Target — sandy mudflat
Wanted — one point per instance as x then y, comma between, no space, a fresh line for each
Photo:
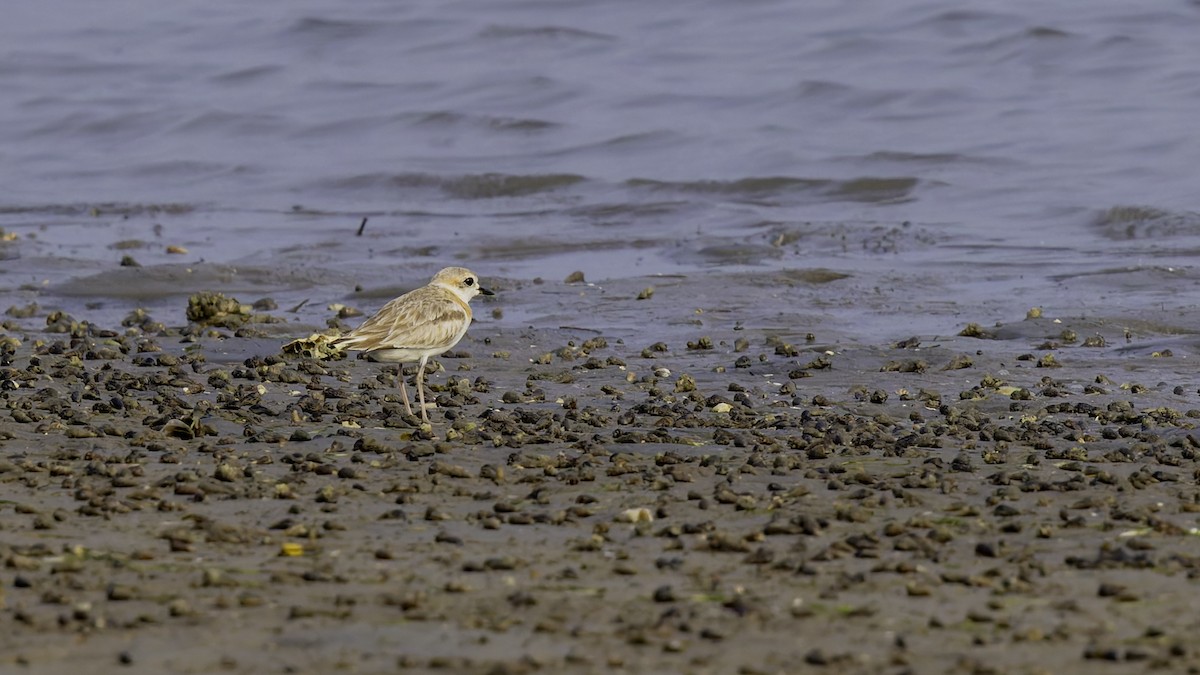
685,483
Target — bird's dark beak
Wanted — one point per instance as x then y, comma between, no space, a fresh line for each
484,291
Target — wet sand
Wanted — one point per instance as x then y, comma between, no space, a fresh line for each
704,485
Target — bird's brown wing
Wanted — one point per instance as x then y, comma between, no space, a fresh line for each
427,318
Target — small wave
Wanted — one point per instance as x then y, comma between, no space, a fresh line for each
446,118
961,20
227,122
472,186
542,32
876,190
646,141
1038,32
247,75
865,189
1023,43
506,185
741,186
331,29
843,96
182,169
626,214
129,125
1125,223
930,158
101,209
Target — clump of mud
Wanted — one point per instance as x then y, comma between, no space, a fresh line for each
215,309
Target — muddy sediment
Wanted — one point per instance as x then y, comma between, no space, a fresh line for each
711,495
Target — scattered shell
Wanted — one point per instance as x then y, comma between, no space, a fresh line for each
315,346
638,515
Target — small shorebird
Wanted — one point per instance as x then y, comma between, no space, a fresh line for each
419,324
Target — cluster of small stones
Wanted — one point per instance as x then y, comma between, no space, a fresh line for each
649,506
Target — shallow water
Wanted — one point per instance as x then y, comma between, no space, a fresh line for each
978,160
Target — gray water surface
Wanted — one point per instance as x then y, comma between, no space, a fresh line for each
989,156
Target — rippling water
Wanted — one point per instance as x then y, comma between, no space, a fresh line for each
1002,154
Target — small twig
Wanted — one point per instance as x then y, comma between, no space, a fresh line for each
297,307
362,226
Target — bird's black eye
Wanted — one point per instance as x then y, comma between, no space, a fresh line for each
469,281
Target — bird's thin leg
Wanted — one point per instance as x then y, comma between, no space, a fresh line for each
403,391
421,387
